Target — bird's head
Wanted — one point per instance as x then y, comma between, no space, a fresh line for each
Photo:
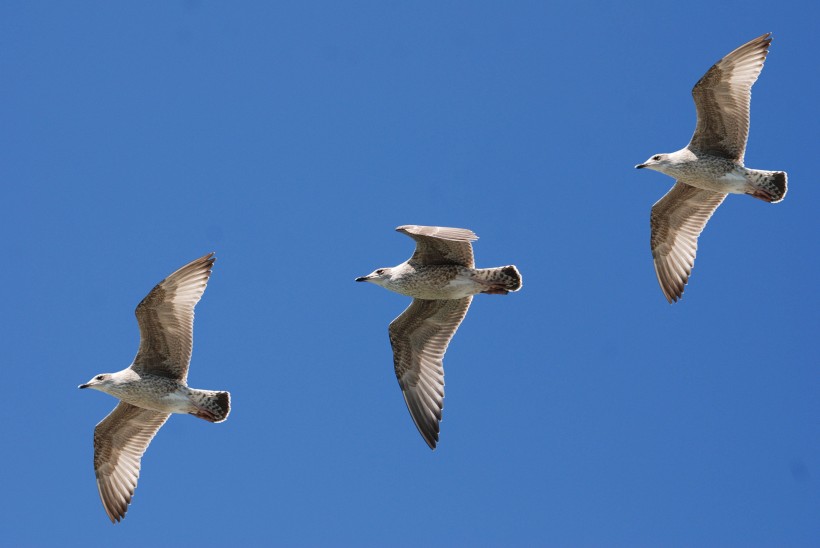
657,162
100,382
378,277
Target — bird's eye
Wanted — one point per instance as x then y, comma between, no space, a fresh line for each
656,157
380,271
100,377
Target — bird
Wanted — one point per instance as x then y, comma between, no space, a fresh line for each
710,167
153,386
442,279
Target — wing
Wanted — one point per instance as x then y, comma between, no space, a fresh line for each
439,245
119,442
419,337
677,220
722,99
166,320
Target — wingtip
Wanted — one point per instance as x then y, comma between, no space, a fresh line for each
762,39
427,426
763,42
429,433
206,261
114,509
674,293
671,290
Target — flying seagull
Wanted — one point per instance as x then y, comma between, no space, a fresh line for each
442,279
711,165
153,386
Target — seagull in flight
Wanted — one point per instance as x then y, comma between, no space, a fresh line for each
153,386
442,279
710,167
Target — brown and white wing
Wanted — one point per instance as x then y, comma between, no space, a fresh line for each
722,98
119,442
441,245
419,337
166,320
677,220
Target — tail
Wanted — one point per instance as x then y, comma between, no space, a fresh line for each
769,186
211,406
500,280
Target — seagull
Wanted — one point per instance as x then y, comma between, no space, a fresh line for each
153,386
442,279
710,166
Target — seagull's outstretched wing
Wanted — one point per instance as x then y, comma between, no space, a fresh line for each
722,99
166,320
677,220
120,439
419,337
440,245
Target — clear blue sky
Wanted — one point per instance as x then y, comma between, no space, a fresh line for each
291,138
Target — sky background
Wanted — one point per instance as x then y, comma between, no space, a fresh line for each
291,138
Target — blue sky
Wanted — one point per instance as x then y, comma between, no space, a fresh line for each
291,138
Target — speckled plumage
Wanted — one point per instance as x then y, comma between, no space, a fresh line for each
153,387
710,167
442,279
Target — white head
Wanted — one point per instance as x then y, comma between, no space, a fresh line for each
104,383
379,277
658,162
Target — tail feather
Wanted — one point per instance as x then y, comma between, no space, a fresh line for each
770,186
501,280
781,182
212,406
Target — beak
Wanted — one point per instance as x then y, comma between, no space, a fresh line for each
362,279
640,166
84,386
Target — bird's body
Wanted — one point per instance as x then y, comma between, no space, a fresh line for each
153,387
442,279
444,282
165,395
722,175
710,167
713,173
